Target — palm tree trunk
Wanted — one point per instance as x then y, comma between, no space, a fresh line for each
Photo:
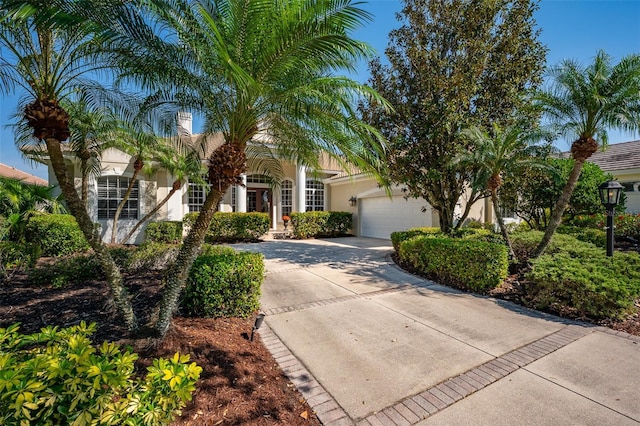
148,215
176,277
78,210
85,182
114,227
503,228
559,208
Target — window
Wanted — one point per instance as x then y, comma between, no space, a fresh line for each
258,179
628,186
314,195
111,190
234,196
286,195
197,195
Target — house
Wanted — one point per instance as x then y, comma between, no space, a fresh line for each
375,212
622,160
13,173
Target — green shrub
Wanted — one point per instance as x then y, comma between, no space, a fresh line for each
14,257
235,227
627,225
169,232
400,236
152,257
57,234
466,264
321,224
65,271
525,242
586,282
338,223
597,237
224,284
308,224
122,255
56,377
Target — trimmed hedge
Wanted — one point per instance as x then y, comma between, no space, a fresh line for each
585,281
56,377
223,283
233,227
400,236
321,224
465,264
168,232
56,234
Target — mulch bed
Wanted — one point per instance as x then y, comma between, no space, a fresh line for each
241,384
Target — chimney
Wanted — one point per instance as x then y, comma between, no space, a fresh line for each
184,124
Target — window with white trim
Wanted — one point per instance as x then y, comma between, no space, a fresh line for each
314,195
286,197
111,191
197,195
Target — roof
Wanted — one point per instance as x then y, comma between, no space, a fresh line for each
13,173
619,156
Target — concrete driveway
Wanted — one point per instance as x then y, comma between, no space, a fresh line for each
369,344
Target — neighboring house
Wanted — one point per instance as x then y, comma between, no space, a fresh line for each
375,213
622,160
13,173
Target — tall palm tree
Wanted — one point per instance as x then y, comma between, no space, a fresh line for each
49,62
583,102
497,156
180,161
93,129
258,68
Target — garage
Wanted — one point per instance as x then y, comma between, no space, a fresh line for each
380,216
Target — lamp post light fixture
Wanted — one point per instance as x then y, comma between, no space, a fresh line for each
609,197
353,200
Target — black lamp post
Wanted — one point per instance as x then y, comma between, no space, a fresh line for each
609,197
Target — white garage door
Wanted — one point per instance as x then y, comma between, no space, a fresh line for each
380,216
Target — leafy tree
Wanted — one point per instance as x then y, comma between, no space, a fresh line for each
498,157
453,64
532,193
583,102
50,62
255,69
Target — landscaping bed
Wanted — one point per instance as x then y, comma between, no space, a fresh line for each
240,383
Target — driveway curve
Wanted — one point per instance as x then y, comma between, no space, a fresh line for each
367,343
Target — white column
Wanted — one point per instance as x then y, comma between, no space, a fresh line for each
301,189
325,200
241,195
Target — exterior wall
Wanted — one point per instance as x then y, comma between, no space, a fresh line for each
341,191
630,176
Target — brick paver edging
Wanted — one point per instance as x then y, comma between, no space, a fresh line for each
320,401
413,409
418,407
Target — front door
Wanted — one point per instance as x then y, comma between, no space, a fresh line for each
259,200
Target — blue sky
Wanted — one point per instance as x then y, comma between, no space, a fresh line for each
571,29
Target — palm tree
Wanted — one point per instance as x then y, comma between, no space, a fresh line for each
583,102
499,155
258,68
18,201
93,129
184,164
49,62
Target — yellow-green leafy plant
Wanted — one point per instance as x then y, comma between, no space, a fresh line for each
58,377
